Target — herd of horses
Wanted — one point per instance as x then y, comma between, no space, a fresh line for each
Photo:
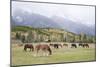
39,47
47,48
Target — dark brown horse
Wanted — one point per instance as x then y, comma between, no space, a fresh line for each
73,45
80,45
44,48
86,45
28,46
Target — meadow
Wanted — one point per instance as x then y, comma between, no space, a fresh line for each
65,54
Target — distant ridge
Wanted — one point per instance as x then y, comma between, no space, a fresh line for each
24,18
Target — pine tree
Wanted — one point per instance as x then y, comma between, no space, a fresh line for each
30,37
18,35
23,38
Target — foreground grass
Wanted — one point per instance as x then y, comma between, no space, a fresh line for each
19,57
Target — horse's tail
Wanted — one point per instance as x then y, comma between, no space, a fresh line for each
50,51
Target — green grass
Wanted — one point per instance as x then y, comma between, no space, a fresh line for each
19,57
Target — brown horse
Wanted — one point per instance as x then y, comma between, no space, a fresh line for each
73,45
44,48
30,46
85,45
56,45
80,45
66,45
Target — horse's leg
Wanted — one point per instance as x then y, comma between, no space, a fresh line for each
36,54
57,46
26,49
44,53
83,46
75,46
48,52
88,46
30,49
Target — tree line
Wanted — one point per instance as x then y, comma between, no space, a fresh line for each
40,37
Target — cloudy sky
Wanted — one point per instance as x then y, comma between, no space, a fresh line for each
79,14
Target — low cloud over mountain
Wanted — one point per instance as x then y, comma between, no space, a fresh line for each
24,18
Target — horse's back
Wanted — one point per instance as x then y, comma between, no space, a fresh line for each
29,46
42,46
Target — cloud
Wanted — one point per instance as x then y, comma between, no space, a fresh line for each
81,14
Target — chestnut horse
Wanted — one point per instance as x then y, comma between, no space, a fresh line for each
44,48
29,46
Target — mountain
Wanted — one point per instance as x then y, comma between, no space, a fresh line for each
23,18
75,27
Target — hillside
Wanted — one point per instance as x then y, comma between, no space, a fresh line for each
52,34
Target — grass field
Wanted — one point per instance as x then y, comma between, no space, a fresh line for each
19,57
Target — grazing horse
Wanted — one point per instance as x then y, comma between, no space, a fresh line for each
56,45
80,44
30,46
73,45
86,45
51,44
44,48
66,45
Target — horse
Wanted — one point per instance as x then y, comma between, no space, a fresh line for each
86,45
73,45
80,44
44,48
66,45
30,46
51,44
56,45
